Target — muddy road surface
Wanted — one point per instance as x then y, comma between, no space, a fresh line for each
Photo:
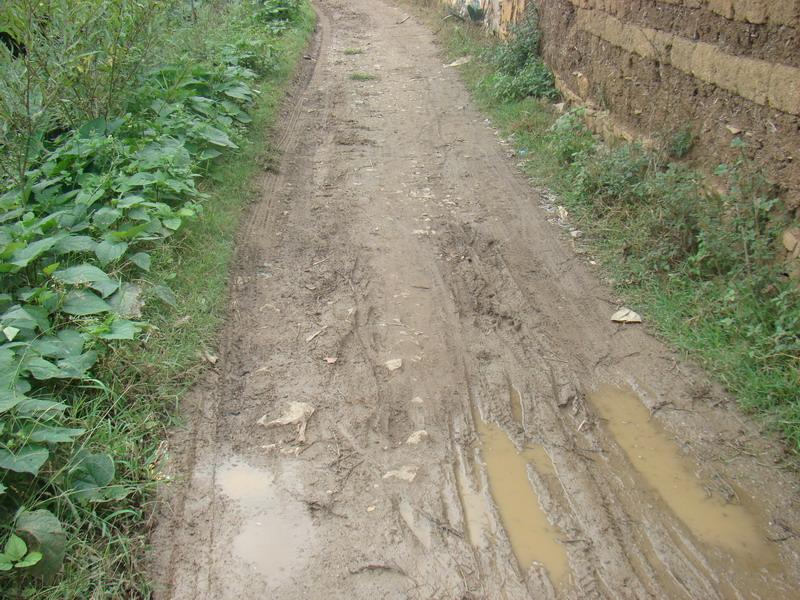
480,428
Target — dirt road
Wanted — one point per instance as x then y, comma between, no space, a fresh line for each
481,429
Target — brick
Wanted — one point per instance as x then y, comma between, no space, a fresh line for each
753,80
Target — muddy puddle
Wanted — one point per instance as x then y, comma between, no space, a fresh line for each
734,532
533,538
276,531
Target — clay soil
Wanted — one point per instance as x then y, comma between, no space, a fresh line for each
481,429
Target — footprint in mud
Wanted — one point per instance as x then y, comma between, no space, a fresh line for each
275,531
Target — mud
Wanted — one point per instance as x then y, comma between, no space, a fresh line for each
563,455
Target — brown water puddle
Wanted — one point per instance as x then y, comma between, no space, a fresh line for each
276,532
532,537
730,527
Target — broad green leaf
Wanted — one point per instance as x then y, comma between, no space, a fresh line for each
30,560
108,252
15,548
43,533
10,332
84,273
24,256
106,288
106,216
91,474
75,243
141,260
165,294
54,435
77,366
5,563
122,329
42,369
215,136
28,459
41,409
173,223
83,302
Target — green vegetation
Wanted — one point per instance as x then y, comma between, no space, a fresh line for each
362,76
352,51
124,166
700,263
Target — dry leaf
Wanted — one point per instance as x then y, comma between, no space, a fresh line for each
460,61
330,359
404,473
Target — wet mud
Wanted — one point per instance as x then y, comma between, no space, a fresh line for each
480,427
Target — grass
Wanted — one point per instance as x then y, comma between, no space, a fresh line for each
700,264
353,51
363,76
128,416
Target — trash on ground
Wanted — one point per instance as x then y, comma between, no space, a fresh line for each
626,315
460,61
296,413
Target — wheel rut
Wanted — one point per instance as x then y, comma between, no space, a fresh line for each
480,428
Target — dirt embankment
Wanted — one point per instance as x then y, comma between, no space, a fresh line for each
480,427
724,68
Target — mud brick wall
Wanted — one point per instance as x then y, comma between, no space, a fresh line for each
725,67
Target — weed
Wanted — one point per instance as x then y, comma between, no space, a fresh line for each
363,76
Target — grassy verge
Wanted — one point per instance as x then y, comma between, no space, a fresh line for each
126,406
700,264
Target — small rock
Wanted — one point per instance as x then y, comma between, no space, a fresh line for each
394,364
626,315
417,437
404,473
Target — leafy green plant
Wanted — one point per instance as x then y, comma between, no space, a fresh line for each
91,194
363,76
519,71
15,555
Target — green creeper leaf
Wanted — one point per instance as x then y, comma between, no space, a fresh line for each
83,302
54,435
15,548
5,563
84,273
28,459
43,369
10,332
108,252
30,560
2,489
141,260
165,294
76,366
91,474
75,243
173,223
41,409
43,533
106,288
105,217
122,329
215,136
24,256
